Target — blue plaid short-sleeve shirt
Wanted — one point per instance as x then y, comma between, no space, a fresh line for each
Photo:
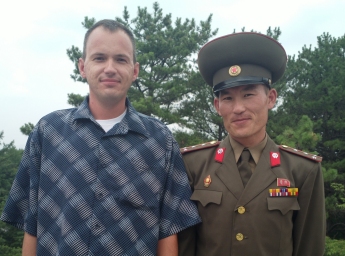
82,191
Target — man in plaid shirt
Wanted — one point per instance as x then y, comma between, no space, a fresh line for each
101,179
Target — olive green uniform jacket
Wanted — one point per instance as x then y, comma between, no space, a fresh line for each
268,226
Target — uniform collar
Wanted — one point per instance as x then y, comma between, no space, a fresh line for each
254,151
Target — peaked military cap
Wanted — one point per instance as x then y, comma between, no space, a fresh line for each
241,59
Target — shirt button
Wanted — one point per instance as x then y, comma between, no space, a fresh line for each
239,237
97,226
241,210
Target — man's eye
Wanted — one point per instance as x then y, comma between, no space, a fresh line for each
99,58
122,60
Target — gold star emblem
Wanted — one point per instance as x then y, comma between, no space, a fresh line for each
234,70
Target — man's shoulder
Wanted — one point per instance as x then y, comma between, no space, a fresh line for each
148,125
149,118
200,148
153,124
62,113
299,154
56,119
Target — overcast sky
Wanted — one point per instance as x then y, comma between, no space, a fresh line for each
35,70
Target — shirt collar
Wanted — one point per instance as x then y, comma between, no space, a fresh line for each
254,151
132,121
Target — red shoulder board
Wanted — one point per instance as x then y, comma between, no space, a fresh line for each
199,147
301,153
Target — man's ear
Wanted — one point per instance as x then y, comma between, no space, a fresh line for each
135,71
272,98
81,66
216,105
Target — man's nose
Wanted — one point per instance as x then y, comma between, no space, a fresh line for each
238,106
110,67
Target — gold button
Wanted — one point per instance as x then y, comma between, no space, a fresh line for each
241,210
239,236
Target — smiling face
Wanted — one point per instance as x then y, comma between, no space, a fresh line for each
244,110
108,67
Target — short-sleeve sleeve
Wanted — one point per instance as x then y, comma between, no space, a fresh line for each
178,212
21,207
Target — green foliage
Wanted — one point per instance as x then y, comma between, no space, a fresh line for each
75,99
275,33
9,162
10,237
198,112
74,54
27,128
335,207
165,52
339,193
329,174
334,247
9,251
301,136
314,86
185,139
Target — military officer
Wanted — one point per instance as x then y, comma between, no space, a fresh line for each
254,197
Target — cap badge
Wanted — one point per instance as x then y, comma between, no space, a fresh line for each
207,181
234,70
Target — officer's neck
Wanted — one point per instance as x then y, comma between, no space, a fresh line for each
250,142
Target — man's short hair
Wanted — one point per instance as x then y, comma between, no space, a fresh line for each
112,26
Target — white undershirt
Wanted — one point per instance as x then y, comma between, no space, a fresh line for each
109,123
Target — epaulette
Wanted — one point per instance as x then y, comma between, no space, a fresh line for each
301,153
200,146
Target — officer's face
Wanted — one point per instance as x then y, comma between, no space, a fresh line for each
244,110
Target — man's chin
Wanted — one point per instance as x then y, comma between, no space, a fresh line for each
240,134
